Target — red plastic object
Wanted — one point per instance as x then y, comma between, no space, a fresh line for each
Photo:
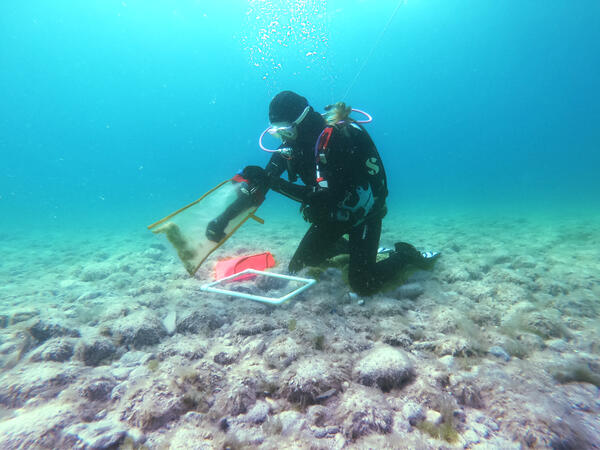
230,266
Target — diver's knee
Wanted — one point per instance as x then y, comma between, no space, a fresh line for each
361,284
295,265
407,251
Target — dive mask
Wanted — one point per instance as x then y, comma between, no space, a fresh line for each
287,131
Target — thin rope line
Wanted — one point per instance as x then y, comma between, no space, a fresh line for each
373,49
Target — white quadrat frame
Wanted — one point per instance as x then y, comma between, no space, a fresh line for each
308,282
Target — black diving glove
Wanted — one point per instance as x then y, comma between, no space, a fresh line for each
257,178
316,208
215,230
250,192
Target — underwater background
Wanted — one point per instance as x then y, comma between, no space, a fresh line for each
115,113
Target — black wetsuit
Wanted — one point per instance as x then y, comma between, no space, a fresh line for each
353,203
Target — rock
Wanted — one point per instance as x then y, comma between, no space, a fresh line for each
459,416
331,274
363,411
95,272
23,315
499,352
410,291
492,425
236,399
169,322
149,287
154,254
317,415
413,412
468,394
500,257
258,413
397,338
555,288
152,409
481,430
388,309
545,325
558,345
36,428
308,379
384,367
282,352
45,382
433,417
226,357
254,325
120,373
187,346
240,435
104,434
140,372
266,283
139,329
448,362
455,274
98,389
455,346
120,390
58,350
419,276
87,296
9,347
120,280
96,351
292,422
113,311
193,417
42,331
128,268
133,358
201,322
400,424
102,255
323,432
524,262
196,437
470,438
325,395
580,367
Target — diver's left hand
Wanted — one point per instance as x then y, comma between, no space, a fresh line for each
215,230
316,208
257,177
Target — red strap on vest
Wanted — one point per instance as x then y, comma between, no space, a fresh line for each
324,139
320,148
257,195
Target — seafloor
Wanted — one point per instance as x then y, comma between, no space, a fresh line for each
106,342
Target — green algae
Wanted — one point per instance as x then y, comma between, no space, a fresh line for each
578,373
443,431
292,324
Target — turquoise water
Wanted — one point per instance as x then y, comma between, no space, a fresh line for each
114,113
117,112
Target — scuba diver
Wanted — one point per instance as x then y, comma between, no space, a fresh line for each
343,193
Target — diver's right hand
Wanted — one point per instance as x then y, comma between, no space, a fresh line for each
316,208
215,230
257,177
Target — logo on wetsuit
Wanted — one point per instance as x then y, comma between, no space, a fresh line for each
371,163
